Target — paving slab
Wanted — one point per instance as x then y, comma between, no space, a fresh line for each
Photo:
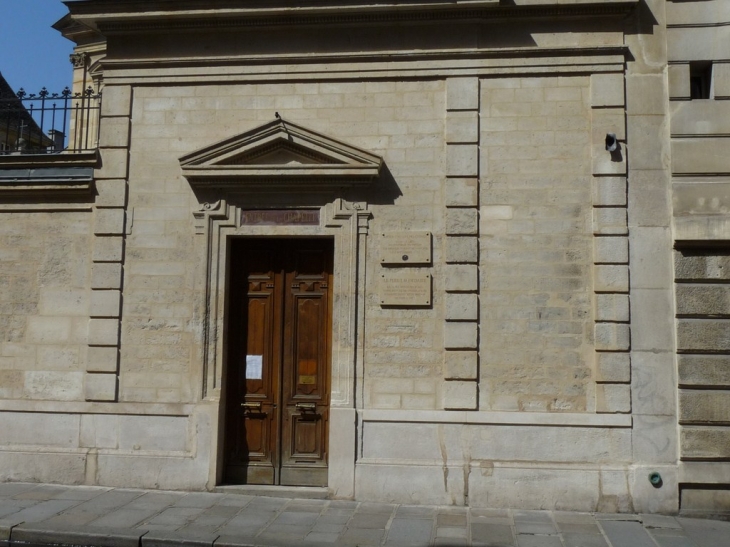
451,532
177,539
450,520
546,528
626,533
674,541
203,500
41,492
584,528
82,493
539,541
327,528
532,516
706,533
108,517
584,540
10,489
44,510
321,537
369,520
492,534
410,531
123,518
659,521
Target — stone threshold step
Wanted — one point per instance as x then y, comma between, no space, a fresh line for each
301,492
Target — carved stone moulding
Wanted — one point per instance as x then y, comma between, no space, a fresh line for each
280,155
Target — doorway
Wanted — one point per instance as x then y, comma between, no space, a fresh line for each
279,345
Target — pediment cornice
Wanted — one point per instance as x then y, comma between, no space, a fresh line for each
280,155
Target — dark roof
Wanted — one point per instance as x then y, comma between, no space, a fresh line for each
13,115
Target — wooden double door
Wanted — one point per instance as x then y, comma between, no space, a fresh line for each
277,379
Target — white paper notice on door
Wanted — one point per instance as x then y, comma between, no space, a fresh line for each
254,367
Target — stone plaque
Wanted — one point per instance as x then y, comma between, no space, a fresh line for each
405,248
280,217
405,289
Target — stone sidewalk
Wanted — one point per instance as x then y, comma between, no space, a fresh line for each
35,515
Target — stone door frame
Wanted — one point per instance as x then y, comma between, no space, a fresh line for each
347,223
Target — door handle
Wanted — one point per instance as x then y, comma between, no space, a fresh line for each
252,406
306,407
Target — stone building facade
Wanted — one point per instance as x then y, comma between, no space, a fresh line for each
469,253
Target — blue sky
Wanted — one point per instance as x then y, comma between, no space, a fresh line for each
33,54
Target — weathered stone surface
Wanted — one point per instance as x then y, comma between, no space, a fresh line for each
105,303
700,265
703,299
704,370
609,191
461,250
611,278
613,398
460,335
462,127
607,90
704,406
100,387
102,359
707,500
700,156
117,101
460,278
703,334
611,250
705,443
462,93
612,307
460,395
461,307
461,192
462,221
462,160
678,82
461,365
613,367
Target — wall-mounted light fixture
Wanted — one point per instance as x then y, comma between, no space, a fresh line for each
611,142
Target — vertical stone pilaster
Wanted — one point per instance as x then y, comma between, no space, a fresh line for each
612,331
461,245
102,371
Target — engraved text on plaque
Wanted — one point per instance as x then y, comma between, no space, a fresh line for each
405,289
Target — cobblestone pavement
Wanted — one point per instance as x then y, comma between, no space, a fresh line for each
44,514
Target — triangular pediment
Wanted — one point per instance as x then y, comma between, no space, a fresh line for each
280,154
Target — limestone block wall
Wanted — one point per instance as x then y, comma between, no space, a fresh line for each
164,275
697,38
44,305
536,245
702,277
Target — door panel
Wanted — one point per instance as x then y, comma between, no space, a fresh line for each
277,418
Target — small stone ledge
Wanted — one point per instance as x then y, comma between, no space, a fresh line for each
497,418
73,407
47,175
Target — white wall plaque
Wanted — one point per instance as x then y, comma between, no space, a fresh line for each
405,289
405,248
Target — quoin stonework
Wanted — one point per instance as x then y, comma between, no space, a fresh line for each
463,253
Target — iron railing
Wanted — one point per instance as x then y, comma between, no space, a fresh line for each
49,123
